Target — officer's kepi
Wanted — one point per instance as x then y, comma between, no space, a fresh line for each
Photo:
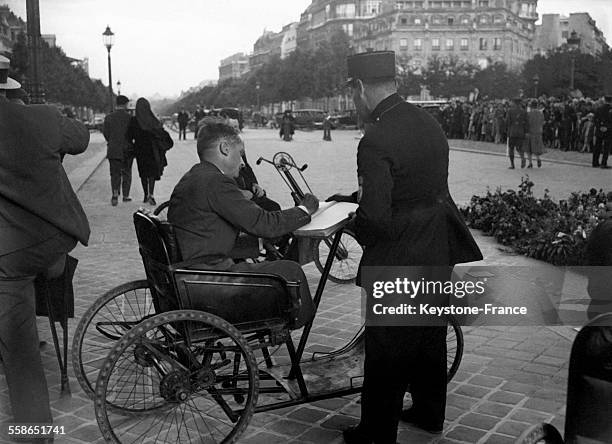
372,65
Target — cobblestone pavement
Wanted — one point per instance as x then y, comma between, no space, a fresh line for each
509,378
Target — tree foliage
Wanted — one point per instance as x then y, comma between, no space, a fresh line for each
63,82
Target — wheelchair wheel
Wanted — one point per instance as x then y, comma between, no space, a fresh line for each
454,347
181,376
541,434
345,265
103,324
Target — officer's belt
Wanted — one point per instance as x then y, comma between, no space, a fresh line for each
433,199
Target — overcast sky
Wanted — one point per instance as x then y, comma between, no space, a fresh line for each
167,46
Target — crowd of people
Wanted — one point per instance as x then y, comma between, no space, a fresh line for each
569,125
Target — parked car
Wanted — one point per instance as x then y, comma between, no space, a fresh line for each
346,120
304,118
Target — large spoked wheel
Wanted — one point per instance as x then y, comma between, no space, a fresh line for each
182,376
454,347
541,434
345,265
103,324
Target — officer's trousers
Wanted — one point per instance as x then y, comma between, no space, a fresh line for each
396,357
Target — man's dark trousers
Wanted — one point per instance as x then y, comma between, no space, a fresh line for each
602,148
183,132
18,332
121,174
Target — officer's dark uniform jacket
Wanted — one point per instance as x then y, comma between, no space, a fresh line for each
406,215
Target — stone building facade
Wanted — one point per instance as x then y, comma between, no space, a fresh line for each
556,29
234,66
10,27
477,31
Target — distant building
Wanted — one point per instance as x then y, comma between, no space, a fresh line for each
80,63
233,67
325,17
555,30
10,27
289,41
477,31
50,39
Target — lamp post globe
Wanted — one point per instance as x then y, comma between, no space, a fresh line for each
108,38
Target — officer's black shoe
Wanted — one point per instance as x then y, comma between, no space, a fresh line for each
355,435
412,417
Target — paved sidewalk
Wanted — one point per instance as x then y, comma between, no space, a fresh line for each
509,379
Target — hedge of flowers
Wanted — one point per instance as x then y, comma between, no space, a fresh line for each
540,228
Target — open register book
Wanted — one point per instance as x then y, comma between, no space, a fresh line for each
327,220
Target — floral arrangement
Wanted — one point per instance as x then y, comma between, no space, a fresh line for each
540,228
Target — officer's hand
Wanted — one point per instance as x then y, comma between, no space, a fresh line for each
311,203
339,198
258,191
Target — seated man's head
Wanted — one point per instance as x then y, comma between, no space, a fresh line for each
220,144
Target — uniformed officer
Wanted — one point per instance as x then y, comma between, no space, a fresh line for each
406,217
603,126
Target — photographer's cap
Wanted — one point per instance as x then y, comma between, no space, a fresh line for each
371,65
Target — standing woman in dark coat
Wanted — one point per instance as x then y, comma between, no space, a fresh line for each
150,144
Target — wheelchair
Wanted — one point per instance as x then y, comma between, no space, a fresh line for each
589,393
185,355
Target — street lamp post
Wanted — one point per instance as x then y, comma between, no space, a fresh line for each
108,38
118,87
573,42
536,82
37,94
257,87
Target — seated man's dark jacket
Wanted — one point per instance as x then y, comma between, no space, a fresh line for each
36,199
208,210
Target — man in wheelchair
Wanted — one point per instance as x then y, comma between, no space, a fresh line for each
208,209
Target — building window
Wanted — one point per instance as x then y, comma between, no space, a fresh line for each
483,3
372,7
418,44
497,44
404,21
348,29
464,45
450,44
484,19
498,19
435,44
465,20
403,43
564,34
346,10
417,21
483,44
436,20
450,21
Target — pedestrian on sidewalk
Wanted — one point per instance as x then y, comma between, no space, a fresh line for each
603,123
41,220
198,115
534,144
518,127
151,142
120,151
327,127
183,120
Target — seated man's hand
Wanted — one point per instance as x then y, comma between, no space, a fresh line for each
258,191
247,194
340,198
311,203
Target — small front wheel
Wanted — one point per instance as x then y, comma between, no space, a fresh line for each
346,263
